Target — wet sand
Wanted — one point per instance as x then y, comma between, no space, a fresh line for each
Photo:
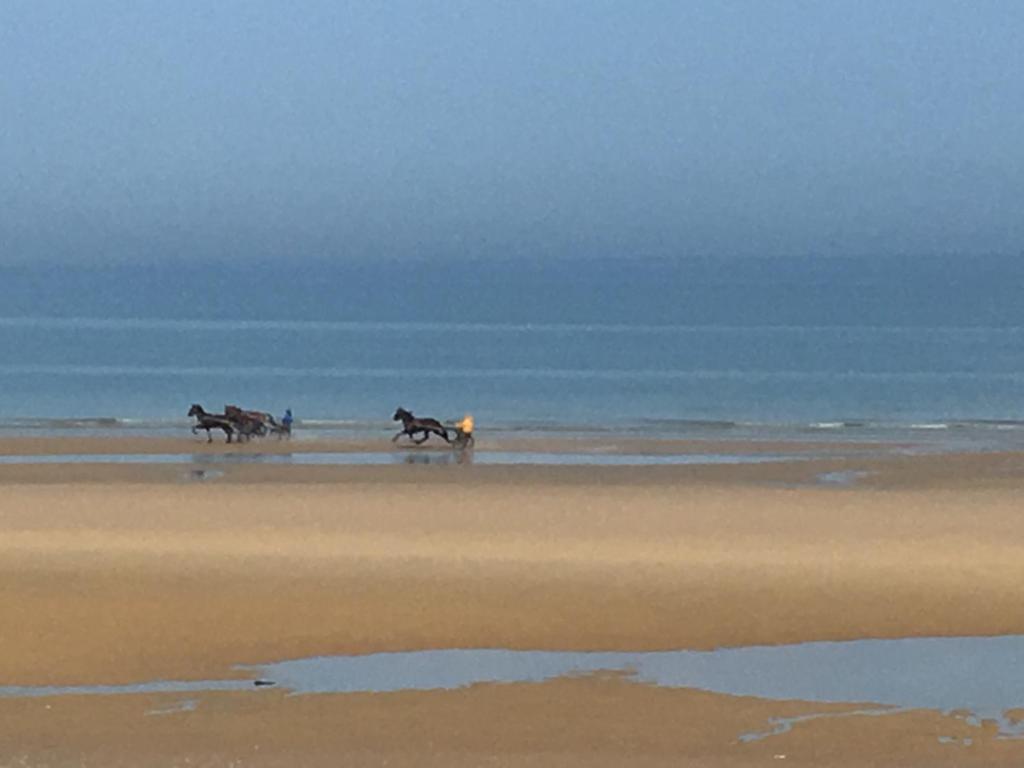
46,446
117,574
569,722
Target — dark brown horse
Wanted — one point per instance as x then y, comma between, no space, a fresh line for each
210,421
411,425
249,423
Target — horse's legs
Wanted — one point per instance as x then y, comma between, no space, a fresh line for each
395,438
444,433
426,434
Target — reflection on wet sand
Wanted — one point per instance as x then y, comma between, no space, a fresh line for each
412,456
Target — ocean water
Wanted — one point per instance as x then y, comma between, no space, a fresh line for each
686,346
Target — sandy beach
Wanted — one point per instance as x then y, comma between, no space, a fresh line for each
119,574
525,384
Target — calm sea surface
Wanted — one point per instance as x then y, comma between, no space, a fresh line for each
682,347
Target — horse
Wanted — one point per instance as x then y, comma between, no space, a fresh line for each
248,423
210,421
411,425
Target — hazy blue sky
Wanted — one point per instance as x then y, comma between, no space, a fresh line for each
142,130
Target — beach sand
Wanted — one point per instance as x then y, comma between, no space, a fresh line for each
120,574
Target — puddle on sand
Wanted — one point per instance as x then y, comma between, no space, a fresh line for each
841,478
954,740
780,725
185,705
581,459
153,686
201,475
973,679
409,456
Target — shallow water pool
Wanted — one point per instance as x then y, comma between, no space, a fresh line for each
973,678
440,458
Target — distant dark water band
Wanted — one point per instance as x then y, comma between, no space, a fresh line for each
183,325
515,373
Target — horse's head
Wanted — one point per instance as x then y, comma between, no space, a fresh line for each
195,410
401,415
232,411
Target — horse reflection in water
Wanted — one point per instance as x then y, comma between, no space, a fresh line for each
462,456
426,458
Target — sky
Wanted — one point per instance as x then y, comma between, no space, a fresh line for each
138,131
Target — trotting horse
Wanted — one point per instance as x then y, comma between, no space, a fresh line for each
248,423
210,421
411,425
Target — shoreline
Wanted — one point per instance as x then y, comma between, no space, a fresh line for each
942,433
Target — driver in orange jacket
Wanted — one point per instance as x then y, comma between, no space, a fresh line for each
464,430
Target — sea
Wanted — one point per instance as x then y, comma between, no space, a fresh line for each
872,347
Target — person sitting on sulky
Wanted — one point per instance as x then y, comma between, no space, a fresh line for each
464,431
